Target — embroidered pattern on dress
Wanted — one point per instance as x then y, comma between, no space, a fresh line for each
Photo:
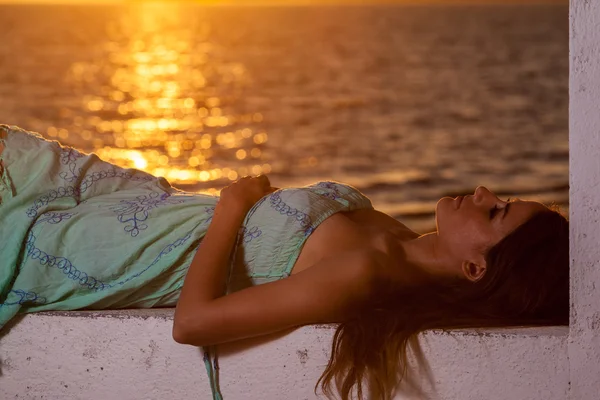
249,234
67,267
137,211
53,217
24,297
75,192
278,204
166,250
329,185
69,156
62,264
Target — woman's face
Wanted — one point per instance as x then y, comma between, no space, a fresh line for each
469,225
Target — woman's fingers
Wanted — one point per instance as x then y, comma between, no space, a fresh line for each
264,180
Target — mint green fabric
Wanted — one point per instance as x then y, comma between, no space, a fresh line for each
77,232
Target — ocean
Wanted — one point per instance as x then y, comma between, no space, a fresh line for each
406,103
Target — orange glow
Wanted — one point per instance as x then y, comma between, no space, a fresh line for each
154,111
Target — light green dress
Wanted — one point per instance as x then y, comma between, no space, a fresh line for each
77,232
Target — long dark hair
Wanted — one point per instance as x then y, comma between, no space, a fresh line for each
526,283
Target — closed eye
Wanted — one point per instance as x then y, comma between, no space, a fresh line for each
494,210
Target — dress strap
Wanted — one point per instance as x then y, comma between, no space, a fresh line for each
213,374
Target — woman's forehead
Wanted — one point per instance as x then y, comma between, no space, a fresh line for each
525,209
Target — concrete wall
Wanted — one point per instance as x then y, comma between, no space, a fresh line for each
130,354
584,147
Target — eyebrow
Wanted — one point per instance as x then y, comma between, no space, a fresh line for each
506,209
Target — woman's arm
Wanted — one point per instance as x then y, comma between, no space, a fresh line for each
324,293
327,292
207,274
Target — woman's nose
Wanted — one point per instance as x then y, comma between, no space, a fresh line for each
482,192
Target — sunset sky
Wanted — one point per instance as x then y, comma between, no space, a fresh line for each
280,2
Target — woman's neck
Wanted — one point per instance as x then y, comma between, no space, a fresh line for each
401,269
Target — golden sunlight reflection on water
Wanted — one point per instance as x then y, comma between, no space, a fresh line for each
159,109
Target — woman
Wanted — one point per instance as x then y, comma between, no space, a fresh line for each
82,233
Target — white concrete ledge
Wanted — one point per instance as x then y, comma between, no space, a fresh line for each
130,354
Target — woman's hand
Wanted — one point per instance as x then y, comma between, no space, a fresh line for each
245,192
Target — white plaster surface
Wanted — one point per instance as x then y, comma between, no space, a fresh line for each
131,355
584,148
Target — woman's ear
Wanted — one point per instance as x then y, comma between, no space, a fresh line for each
473,271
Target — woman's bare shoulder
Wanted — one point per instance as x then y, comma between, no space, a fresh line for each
369,268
